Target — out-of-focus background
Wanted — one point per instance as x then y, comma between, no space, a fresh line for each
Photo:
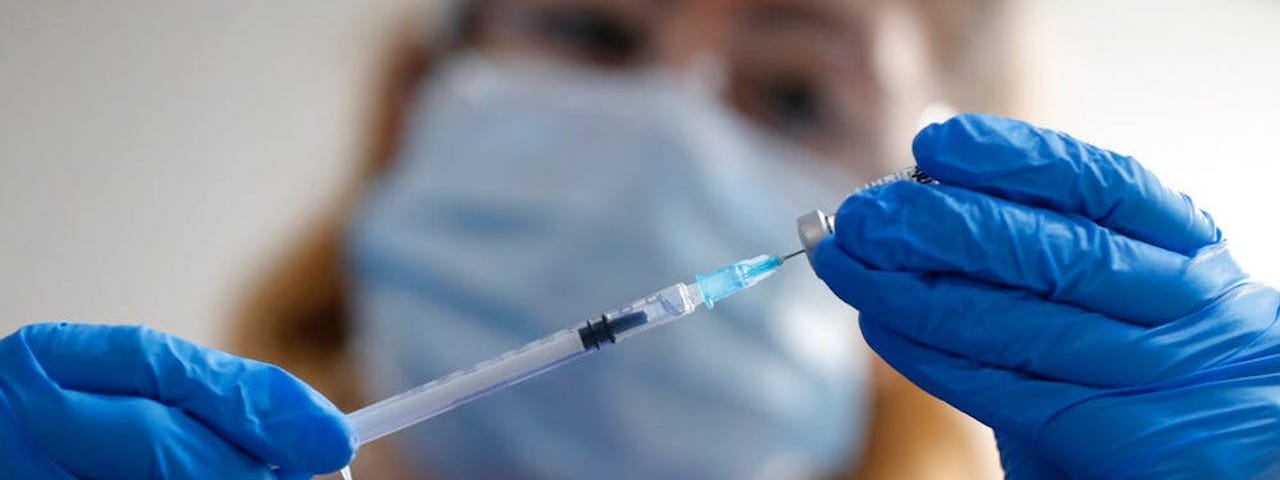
153,155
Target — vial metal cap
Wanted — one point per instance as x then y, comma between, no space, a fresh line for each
812,228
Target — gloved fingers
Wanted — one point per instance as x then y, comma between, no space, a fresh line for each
258,407
19,456
1002,399
1021,462
1038,167
1013,329
938,228
114,437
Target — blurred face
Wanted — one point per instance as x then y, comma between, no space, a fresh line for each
805,70
529,192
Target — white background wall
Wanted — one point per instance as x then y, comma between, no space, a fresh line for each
153,153
1191,88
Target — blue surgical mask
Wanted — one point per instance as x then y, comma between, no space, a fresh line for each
531,197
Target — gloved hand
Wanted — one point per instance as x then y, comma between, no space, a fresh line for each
1060,294
109,402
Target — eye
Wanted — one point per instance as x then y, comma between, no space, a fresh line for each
592,34
793,105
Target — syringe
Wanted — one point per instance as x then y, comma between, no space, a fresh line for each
664,306
436,397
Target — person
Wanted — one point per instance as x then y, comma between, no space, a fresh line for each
544,160
548,158
1053,290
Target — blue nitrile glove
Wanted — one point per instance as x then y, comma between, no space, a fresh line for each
111,402
1060,294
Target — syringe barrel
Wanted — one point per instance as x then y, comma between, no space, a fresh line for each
441,395
655,310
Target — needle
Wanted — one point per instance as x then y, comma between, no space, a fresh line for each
792,254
